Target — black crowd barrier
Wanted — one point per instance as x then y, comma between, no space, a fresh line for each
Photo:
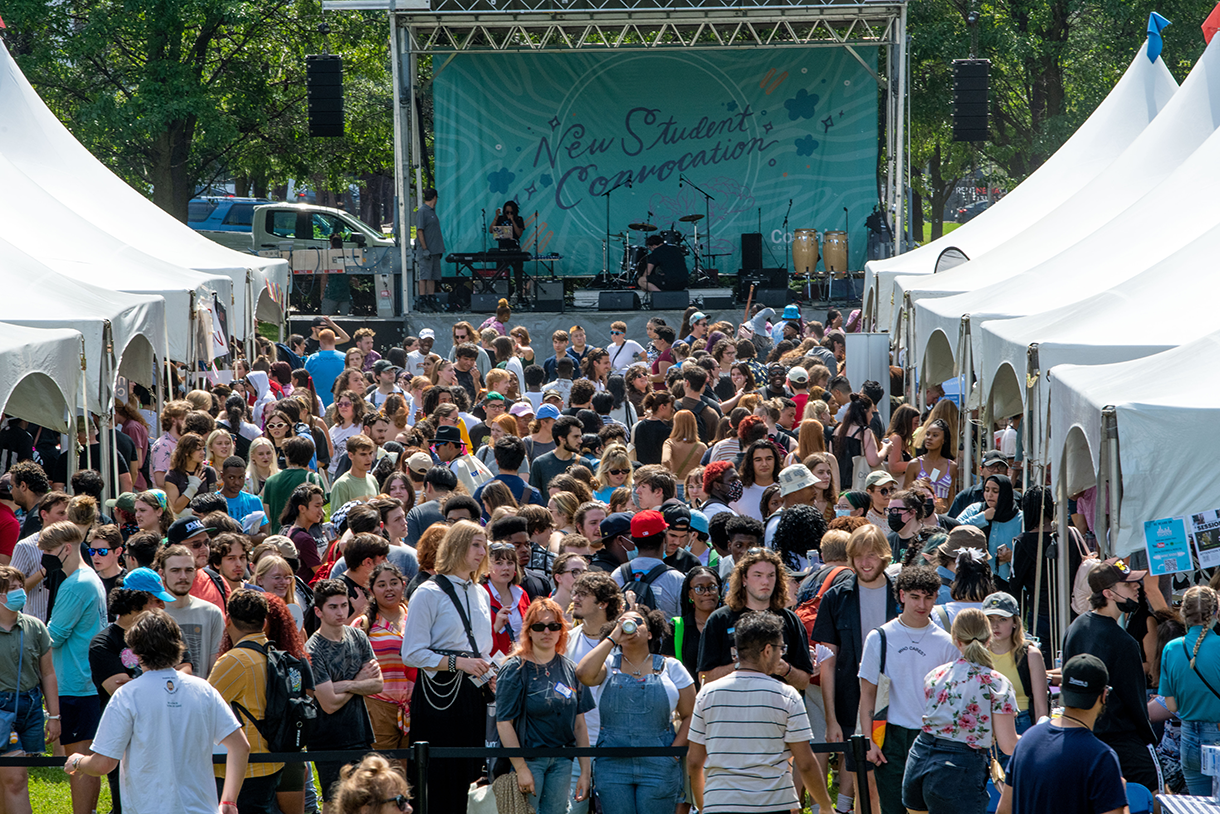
422,753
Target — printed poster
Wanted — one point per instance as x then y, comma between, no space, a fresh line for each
1168,548
1205,533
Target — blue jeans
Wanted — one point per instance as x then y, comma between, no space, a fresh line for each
638,785
945,777
29,724
552,780
575,807
1196,734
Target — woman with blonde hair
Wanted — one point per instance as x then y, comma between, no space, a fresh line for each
498,380
219,448
1017,658
372,786
613,471
970,706
682,451
262,465
443,374
563,507
447,638
82,510
521,335
810,438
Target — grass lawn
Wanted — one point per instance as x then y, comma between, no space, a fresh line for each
927,229
49,792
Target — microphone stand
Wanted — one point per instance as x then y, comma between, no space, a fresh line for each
530,285
707,209
484,211
787,246
606,251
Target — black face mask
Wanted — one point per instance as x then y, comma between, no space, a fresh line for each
896,523
51,563
1129,605
929,506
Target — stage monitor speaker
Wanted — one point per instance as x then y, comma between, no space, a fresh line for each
773,297
324,92
718,303
549,295
618,301
670,300
971,78
751,251
761,278
484,303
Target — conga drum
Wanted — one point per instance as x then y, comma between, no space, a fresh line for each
834,247
805,251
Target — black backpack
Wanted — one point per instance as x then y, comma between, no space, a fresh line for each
641,584
289,714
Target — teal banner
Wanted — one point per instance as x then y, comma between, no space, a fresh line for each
759,131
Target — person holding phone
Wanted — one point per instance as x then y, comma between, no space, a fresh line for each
998,515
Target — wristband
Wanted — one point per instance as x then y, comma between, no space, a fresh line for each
453,664
612,641
53,717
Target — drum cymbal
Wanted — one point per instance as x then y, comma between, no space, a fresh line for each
642,227
690,218
619,236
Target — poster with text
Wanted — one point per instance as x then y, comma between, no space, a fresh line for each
1168,548
1205,530
728,141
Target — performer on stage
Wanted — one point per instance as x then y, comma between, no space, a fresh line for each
665,268
508,228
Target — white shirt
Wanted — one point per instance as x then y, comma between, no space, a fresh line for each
748,505
623,356
376,398
161,727
579,646
415,362
434,624
910,654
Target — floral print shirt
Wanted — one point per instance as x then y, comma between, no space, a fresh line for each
960,700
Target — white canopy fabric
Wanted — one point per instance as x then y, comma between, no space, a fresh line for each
1172,215
39,225
34,140
1110,326
1135,101
1188,119
38,297
1167,408
40,374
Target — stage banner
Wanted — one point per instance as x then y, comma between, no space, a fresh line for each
757,130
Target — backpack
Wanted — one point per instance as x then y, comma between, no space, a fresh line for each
807,611
289,714
641,584
1080,584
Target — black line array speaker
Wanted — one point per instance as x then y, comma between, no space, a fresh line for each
971,78
751,251
618,301
670,300
324,89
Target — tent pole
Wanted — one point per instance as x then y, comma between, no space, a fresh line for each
966,470
900,137
1109,419
1059,621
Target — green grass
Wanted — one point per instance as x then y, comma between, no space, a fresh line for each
49,792
927,229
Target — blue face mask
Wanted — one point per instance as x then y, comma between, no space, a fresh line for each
15,600
842,512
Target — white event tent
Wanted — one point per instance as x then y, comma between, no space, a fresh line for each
1135,100
36,367
1188,119
34,140
124,333
40,226
1161,407
1114,253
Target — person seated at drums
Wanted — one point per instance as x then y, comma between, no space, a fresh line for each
664,268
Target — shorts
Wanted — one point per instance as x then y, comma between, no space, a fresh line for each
945,776
30,725
81,714
816,710
429,267
386,734
292,777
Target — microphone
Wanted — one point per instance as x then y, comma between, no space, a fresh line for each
628,182
679,182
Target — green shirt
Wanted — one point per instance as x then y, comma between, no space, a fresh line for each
278,489
348,488
37,643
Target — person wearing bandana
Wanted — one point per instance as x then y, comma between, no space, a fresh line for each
1123,725
723,486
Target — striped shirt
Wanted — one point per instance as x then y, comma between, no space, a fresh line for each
746,721
398,680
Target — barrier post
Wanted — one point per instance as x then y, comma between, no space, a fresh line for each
421,775
859,753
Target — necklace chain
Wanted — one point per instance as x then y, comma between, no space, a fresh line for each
1077,720
638,672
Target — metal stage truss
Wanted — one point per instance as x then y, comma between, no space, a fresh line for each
444,28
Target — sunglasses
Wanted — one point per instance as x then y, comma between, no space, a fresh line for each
898,512
554,627
195,546
616,333
618,471
278,424
503,547
343,404
703,590
400,800
100,552
886,491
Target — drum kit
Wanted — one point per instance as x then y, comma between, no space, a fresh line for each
635,254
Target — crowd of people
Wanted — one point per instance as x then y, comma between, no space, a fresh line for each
709,540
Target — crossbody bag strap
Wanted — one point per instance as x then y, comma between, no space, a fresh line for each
447,587
1194,667
20,662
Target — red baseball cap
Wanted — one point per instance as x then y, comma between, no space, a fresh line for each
647,523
